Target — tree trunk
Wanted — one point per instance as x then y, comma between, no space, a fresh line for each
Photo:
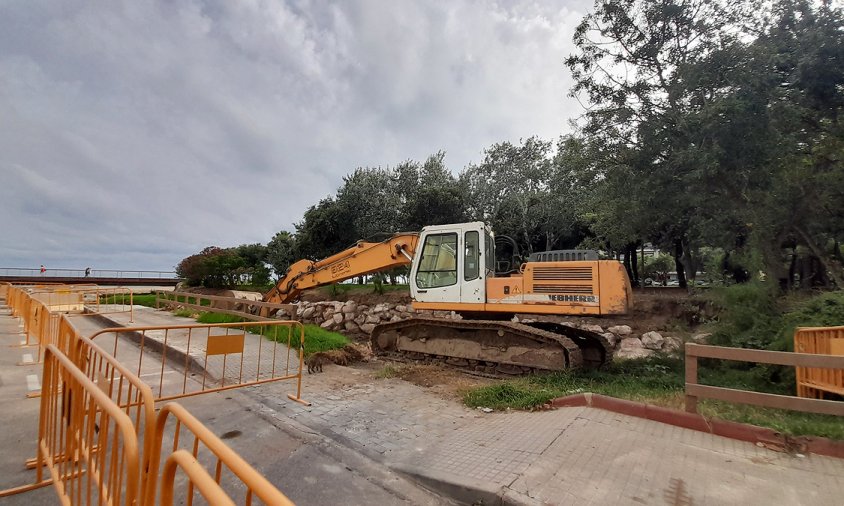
688,260
627,266
831,264
643,264
678,264
634,264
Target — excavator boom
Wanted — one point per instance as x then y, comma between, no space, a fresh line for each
361,259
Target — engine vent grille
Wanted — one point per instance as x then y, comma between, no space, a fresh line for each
562,273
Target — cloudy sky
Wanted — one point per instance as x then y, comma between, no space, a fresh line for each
134,133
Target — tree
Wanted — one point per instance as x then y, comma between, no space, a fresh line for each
429,194
630,66
512,190
281,252
370,203
324,230
213,267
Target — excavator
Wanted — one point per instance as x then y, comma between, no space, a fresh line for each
453,268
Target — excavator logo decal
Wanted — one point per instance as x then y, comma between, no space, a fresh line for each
340,269
574,298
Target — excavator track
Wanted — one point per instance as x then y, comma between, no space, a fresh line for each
485,347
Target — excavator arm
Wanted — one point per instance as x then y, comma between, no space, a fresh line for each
362,258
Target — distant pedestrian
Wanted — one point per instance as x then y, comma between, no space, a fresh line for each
87,271
43,269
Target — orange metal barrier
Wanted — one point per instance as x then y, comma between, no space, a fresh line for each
815,382
86,442
197,478
123,387
230,470
40,308
95,411
211,357
4,289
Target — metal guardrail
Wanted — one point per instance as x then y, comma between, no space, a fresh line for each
695,391
80,273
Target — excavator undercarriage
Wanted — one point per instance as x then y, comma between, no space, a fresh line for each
490,347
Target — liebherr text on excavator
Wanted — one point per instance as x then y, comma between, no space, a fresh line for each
453,268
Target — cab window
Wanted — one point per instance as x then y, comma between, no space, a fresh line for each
471,264
438,265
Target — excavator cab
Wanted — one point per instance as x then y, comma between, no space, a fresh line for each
452,264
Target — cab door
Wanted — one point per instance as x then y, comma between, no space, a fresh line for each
450,264
436,272
473,285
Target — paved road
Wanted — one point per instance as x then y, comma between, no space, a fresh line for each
379,427
309,468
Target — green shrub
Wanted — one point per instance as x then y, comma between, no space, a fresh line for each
316,337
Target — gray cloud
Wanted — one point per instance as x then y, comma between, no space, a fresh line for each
133,134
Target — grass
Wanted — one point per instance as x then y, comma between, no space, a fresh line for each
140,299
388,371
655,380
316,338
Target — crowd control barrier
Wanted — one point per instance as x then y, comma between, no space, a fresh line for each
209,357
86,442
231,472
198,480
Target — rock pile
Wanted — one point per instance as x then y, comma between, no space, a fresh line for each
351,317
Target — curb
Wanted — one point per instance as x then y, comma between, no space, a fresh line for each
152,344
762,436
464,490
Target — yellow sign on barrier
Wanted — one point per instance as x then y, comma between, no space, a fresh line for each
223,345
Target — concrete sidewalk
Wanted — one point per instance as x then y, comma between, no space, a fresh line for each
576,455
309,468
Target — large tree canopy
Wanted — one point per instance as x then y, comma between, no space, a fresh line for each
709,126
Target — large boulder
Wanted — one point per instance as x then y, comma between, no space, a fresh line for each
611,338
653,340
672,344
594,328
632,347
620,330
701,338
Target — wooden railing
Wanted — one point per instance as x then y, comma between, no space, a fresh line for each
695,391
218,304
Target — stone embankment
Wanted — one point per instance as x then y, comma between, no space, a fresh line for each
351,317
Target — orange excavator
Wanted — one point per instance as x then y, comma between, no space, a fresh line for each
453,268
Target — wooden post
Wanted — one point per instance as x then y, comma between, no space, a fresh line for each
691,377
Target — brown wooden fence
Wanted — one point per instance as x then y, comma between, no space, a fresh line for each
249,309
695,391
